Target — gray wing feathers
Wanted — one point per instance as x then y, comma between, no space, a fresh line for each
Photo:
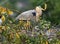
25,15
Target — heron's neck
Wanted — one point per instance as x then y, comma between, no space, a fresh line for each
37,17
37,14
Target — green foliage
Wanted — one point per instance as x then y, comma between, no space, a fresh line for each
15,33
44,24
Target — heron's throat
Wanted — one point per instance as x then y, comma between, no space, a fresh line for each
37,16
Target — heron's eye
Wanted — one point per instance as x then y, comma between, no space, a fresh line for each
34,13
0,16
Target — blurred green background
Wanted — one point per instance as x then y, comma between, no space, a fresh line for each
52,13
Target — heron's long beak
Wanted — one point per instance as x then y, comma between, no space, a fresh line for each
45,7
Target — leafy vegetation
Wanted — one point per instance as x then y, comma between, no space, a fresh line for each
29,32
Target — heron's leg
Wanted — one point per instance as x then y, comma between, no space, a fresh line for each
28,24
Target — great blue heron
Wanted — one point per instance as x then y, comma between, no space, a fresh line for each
31,14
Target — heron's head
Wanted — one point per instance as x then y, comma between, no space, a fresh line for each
38,10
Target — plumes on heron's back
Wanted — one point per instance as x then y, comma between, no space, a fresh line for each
26,15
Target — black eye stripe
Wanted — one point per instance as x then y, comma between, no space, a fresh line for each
34,13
